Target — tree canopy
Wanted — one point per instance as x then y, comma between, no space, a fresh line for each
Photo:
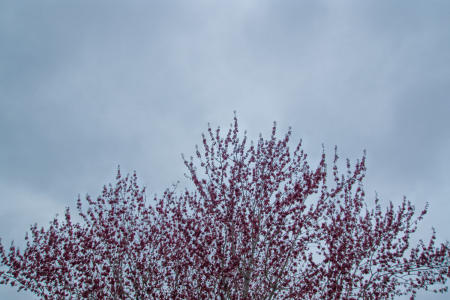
260,222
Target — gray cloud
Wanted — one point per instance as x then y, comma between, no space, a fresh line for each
87,86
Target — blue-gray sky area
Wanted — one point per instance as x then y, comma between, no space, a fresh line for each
88,85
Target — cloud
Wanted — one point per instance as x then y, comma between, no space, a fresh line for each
87,86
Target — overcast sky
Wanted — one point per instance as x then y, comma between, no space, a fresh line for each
88,85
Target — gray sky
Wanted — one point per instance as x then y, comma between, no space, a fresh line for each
88,85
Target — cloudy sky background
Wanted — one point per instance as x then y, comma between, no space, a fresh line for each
88,85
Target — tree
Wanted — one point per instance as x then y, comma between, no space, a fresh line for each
258,223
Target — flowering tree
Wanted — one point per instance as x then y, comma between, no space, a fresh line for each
259,223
